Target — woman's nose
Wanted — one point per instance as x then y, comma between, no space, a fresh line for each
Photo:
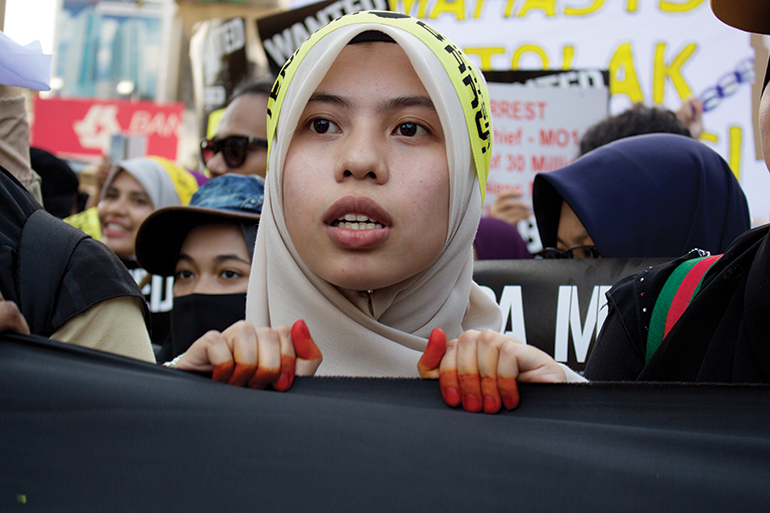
363,156
118,206
205,285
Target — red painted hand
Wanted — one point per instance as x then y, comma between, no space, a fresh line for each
243,355
481,369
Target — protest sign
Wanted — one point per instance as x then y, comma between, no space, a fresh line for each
282,33
558,306
219,63
82,129
537,129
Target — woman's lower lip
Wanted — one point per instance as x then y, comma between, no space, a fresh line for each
357,239
114,233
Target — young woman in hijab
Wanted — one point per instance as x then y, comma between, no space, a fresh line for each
700,318
656,195
379,150
133,189
206,246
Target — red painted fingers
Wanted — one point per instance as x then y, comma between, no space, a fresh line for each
429,363
448,380
309,357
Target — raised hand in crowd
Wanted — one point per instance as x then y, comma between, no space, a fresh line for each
691,116
509,207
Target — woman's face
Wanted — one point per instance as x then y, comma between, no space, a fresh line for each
121,212
366,180
571,233
214,259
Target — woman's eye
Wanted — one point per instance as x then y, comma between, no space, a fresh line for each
231,275
183,275
410,129
324,126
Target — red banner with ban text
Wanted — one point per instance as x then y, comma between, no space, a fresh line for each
81,129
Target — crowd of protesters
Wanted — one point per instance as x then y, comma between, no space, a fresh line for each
333,227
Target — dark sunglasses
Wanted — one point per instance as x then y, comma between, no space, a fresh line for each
234,148
573,252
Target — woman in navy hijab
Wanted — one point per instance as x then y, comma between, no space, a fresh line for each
648,196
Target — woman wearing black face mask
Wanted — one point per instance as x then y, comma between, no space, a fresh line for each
207,247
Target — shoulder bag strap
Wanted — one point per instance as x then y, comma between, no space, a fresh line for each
674,298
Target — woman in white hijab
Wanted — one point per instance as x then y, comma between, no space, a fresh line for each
379,150
133,189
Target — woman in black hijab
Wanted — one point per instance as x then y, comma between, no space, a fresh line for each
697,318
654,195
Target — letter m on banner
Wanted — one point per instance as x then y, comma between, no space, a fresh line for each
568,321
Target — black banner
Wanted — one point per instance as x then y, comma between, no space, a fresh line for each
556,305
87,431
551,77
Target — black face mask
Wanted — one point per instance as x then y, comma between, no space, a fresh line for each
194,315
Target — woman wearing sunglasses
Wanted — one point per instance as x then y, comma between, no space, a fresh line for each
648,196
239,144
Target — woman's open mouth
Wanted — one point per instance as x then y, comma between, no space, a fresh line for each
115,230
356,222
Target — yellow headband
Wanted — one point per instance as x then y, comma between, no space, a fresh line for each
469,86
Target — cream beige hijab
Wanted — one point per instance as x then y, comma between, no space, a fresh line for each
282,289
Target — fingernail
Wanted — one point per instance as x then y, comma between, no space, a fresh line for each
452,396
472,403
490,404
283,382
509,403
303,328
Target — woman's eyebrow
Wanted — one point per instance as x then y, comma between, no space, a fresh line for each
224,258
322,97
390,105
408,101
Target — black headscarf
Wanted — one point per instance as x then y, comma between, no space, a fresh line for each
655,195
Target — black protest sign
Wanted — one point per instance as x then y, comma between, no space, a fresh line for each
220,63
558,306
283,33
551,77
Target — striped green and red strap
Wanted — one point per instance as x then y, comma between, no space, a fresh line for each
675,297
